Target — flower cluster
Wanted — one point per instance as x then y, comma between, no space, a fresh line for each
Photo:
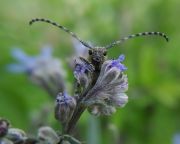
100,91
109,90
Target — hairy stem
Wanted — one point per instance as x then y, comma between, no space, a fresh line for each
72,123
77,112
80,107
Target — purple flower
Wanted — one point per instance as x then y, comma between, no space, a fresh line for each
109,90
82,72
81,67
117,63
79,70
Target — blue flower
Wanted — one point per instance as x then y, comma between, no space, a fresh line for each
79,49
117,63
27,63
79,70
43,69
81,67
176,138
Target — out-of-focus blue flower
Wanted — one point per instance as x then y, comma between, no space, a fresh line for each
42,63
28,63
176,138
80,50
43,69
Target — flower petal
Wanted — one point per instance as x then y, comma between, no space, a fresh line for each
46,51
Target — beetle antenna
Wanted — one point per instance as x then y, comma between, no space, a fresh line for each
137,35
61,27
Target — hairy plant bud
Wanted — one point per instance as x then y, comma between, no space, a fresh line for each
48,135
4,125
64,108
15,134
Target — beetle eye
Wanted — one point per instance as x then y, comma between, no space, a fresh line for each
90,52
105,53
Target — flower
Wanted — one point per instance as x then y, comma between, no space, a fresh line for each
28,63
82,72
64,108
117,63
109,90
43,69
79,70
176,138
79,49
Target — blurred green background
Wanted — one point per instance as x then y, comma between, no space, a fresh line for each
152,115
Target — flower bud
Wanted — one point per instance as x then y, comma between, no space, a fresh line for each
15,134
4,125
64,108
48,135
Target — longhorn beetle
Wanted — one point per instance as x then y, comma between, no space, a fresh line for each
97,54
